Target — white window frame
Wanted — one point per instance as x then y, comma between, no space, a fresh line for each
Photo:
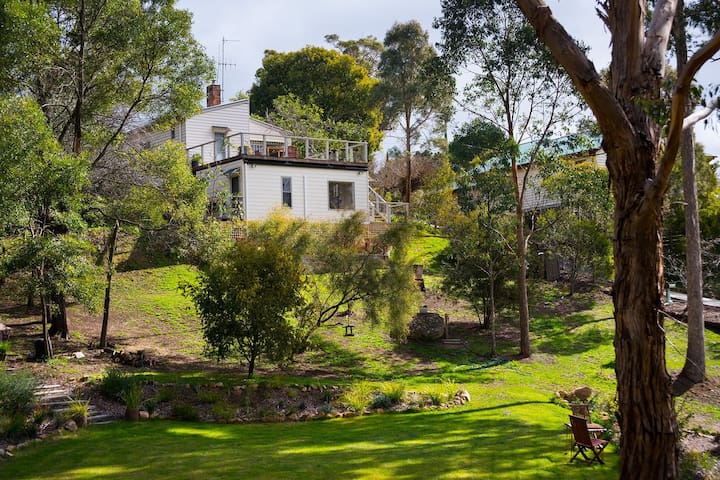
283,192
335,195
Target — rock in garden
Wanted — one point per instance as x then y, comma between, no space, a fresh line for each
144,415
463,396
583,393
427,327
70,426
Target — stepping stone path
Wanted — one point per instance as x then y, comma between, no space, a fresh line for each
59,398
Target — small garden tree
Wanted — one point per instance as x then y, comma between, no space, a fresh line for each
44,191
341,273
476,266
578,230
518,88
243,297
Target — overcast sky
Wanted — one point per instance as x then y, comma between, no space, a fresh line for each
250,27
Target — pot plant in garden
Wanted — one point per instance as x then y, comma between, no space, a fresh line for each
132,396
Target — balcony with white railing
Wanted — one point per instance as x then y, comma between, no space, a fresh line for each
278,146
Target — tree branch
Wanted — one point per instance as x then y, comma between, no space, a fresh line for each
677,114
131,108
609,113
699,115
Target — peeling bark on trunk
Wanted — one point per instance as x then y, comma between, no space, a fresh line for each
493,339
646,411
694,369
45,331
408,153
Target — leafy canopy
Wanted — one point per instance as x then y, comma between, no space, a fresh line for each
328,80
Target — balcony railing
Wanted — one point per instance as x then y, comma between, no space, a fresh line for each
384,211
278,146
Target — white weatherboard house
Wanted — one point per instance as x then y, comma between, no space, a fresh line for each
253,167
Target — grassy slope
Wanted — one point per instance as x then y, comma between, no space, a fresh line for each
511,428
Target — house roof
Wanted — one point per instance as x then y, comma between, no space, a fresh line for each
567,146
224,105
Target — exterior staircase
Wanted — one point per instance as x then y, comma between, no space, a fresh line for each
58,399
382,211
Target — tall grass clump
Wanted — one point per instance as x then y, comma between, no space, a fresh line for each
78,411
358,397
390,394
395,391
115,382
442,392
132,396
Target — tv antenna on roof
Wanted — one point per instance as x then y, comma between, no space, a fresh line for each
222,64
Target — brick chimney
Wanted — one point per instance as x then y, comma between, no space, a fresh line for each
213,95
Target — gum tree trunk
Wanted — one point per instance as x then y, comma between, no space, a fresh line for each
694,369
640,173
646,412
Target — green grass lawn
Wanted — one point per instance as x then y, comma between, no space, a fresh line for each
425,249
501,437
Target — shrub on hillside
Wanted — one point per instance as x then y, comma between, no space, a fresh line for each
115,382
17,393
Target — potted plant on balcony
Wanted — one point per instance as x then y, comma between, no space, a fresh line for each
195,160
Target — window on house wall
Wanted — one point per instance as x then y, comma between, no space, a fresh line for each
172,133
236,200
235,185
342,196
287,192
219,145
